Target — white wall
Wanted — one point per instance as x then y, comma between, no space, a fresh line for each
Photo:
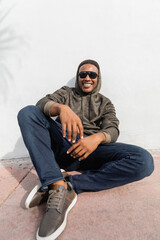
43,41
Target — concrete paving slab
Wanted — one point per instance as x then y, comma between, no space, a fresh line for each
130,212
16,221
11,174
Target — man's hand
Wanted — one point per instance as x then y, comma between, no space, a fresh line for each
84,147
69,120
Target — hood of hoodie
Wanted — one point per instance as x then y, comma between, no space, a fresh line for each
88,105
97,88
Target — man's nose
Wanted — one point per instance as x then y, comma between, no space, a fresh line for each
87,77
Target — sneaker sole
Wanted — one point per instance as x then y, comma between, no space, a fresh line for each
54,235
31,195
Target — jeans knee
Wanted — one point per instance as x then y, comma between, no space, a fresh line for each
146,163
26,113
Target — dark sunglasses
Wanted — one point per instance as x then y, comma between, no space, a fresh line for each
84,74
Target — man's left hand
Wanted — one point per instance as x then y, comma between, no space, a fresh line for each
84,147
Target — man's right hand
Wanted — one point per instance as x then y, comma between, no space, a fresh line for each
71,123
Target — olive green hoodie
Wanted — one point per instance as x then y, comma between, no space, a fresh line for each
96,112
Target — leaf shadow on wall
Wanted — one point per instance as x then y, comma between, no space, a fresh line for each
12,48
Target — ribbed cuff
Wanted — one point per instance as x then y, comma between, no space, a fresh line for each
47,108
108,137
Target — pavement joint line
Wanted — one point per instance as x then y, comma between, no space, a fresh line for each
15,161
16,186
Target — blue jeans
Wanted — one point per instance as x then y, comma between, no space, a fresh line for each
110,165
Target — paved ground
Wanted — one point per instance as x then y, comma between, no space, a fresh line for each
130,212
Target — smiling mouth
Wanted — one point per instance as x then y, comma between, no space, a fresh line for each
87,85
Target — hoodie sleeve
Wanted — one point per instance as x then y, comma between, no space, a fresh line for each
58,96
109,124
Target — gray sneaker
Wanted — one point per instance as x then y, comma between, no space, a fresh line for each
37,196
60,202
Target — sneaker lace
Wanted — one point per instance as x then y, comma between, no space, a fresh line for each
55,200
